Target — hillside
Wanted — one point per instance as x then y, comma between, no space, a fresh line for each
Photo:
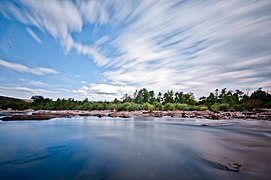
9,99
14,103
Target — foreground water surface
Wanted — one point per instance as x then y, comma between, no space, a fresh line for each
134,148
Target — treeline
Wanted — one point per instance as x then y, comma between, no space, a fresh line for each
236,100
219,100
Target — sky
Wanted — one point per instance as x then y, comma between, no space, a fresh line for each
102,49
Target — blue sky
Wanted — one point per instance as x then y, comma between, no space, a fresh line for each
103,49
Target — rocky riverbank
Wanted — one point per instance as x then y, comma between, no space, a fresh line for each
263,114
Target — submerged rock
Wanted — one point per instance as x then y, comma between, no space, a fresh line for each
235,167
232,167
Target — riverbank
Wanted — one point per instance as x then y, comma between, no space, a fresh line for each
263,114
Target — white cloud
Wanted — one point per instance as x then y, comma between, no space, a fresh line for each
25,90
170,46
24,69
108,92
181,45
32,82
59,19
92,52
34,36
94,11
102,40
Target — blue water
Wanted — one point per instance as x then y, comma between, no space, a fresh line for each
135,148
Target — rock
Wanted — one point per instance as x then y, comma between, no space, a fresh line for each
238,115
120,114
224,166
232,167
176,114
113,114
214,116
145,112
156,114
125,115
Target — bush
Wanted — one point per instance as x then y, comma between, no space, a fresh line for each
111,106
132,107
168,107
148,106
254,104
224,107
193,108
158,106
137,107
267,105
215,107
203,108
127,106
238,107
119,107
181,106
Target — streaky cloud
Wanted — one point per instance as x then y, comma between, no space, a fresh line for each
34,36
25,69
157,44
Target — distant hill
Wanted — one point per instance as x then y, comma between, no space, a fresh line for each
14,103
10,99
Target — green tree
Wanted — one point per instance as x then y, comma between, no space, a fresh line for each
160,97
152,98
142,96
168,97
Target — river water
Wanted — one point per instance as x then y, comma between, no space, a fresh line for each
135,148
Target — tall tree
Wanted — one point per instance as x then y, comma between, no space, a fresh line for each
152,97
159,97
168,97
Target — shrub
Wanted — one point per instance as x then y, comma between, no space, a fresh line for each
148,106
132,107
168,107
267,105
181,106
239,107
215,107
203,108
119,107
137,107
193,108
224,107
127,106
101,107
111,106
158,106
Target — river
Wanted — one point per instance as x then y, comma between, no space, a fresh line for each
135,148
